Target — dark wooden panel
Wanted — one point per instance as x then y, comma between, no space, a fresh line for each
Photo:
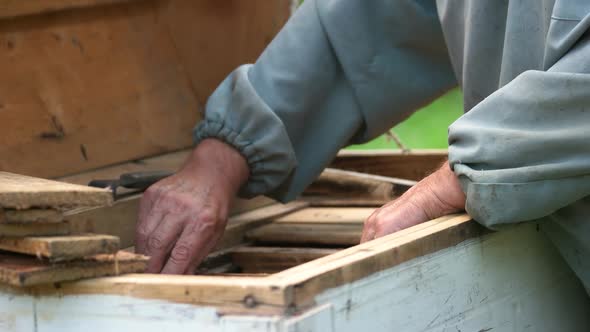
414,165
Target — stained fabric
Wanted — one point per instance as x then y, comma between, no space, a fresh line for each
521,151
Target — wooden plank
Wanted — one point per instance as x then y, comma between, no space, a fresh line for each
232,33
61,248
426,227
30,216
23,192
164,162
337,235
36,229
118,220
24,271
86,88
279,293
354,263
315,226
229,274
235,235
231,295
341,183
14,8
239,225
274,259
240,206
414,165
495,282
470,287
326,215
216,262
327,201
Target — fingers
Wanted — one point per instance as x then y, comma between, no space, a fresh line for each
148,218
368,233
369,227
193,245
393,217
180,220
161,241
145,228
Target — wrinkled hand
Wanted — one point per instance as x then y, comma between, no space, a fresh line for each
435,196
182,217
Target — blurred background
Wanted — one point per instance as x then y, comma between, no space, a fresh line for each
425,129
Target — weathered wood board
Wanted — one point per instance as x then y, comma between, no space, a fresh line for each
12,216
275,259
327,215
86,87
89,87
61,248
213,37
36,229
361,260
323,201
338,227
336,235
23,271
238,225
414,165
495,281
24,192
339,183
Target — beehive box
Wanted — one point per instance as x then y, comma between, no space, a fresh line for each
90,83
297,267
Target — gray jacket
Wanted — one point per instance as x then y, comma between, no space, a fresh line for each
345,71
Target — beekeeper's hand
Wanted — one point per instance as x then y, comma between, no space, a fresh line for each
182,217
435,196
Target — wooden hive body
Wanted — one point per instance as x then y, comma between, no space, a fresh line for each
91,83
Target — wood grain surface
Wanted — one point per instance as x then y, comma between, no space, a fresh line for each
24,192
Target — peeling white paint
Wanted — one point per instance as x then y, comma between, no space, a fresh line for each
510,281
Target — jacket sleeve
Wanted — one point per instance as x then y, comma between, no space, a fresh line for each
524,153
340,72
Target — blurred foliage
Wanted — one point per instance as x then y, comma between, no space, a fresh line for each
425,129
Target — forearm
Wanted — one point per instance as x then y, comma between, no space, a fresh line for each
437,195
223,161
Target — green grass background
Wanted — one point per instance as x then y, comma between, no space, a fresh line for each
425,129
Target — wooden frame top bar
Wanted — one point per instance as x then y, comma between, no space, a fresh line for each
412,165
288,291
291,290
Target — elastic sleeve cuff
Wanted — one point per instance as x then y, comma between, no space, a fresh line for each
211,129
497,204
236,115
